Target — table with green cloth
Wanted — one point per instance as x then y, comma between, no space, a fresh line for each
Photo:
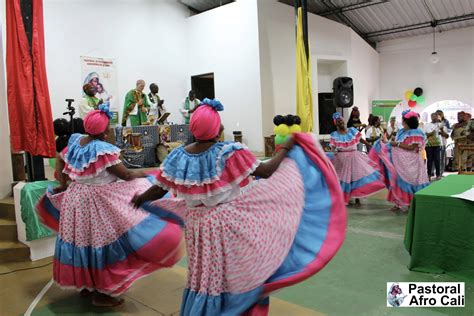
440,229
30,195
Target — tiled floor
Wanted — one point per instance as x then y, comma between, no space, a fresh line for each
353,283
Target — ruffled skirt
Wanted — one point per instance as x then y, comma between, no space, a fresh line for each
278,232
358,178
404,172
103,243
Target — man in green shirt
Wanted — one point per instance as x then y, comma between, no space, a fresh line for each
90,102
136,106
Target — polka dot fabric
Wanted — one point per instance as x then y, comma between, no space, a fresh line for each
236,246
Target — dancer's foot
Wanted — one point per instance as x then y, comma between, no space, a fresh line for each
103,300
395,208
357,203
85,293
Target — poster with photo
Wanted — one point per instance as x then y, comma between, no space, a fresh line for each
101,73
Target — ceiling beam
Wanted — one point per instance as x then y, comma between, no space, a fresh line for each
347,21
352,7
422,25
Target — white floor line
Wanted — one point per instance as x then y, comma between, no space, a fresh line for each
38,298
377,234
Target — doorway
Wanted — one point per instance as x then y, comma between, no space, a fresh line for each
203,85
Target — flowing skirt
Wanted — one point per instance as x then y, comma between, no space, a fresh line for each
103,243
404,172
278,232
358,178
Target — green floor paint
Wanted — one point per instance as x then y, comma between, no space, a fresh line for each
354,282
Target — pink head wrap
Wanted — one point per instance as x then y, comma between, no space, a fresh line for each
411,114
97,121
205,122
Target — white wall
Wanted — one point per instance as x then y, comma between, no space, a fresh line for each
405,64
147,39
6,177
226,43
328,40
364,70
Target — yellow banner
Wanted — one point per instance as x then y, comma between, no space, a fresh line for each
304,91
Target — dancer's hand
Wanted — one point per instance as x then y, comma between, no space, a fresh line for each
138,200
60,189
288,145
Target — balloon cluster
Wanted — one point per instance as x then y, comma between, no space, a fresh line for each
285,125
415,97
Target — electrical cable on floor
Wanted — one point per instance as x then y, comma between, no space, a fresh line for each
32,268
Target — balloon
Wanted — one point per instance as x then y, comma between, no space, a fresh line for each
413,97
52,162
282,130
420,99
411,103
418,91
289,120
279,139
279,119
297,120
408,94
295,128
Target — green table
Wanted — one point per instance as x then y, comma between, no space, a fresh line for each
440,229
30,195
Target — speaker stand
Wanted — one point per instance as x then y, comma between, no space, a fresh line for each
35,168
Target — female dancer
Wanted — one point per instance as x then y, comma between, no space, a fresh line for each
401,163
103,243
357,177
246,238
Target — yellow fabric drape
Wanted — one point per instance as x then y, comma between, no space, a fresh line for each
304,91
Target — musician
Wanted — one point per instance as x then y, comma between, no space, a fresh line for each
156,104
136,106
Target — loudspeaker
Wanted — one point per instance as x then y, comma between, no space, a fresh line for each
326,108
343,92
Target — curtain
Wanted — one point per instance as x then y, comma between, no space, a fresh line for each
29,106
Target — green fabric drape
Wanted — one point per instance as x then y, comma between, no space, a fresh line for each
30,195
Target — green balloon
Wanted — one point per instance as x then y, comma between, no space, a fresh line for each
420,99
280,139
52,162
413,97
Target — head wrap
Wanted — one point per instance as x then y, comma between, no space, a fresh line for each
336,116
87,86
205,122
97,121
408,114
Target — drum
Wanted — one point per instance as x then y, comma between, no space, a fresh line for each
136,140
161,153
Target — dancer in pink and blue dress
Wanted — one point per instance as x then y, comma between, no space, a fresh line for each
357,176
104,244
246,238
401,162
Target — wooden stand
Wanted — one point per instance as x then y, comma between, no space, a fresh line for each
18,166
469,150
269,145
